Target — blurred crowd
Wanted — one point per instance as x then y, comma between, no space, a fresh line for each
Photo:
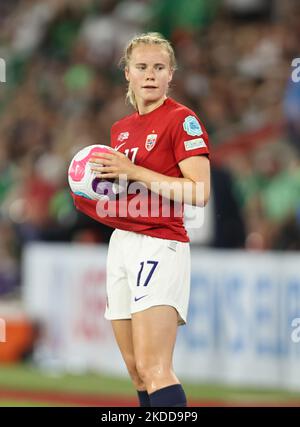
64,89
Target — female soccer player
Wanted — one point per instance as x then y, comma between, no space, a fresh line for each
164,146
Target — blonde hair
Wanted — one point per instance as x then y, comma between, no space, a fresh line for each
149,39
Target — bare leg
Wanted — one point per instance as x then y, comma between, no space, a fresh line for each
123,334
154,334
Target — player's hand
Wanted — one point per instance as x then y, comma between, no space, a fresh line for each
112,165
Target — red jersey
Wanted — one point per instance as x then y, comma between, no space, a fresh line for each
158,140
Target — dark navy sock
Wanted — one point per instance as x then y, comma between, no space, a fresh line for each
143,398
172,395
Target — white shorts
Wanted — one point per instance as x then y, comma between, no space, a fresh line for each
145,271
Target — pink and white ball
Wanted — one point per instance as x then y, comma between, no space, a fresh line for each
83,181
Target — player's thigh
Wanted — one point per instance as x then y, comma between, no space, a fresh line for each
117,290
154,335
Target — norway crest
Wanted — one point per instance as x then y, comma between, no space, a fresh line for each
150,141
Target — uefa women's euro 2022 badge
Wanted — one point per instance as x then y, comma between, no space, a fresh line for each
192,126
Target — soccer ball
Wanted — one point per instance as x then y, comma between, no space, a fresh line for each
83,181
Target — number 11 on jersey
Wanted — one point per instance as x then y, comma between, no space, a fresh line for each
133,153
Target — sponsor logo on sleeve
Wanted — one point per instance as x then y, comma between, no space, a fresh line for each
192,144
192,126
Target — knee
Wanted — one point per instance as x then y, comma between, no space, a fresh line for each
148,371
133,372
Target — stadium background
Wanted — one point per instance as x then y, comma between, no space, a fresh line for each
63,91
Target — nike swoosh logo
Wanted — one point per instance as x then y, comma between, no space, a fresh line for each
119,146
137,299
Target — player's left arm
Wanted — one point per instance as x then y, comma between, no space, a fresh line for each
193,188
197,170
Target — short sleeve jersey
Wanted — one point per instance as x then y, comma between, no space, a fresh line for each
158,140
